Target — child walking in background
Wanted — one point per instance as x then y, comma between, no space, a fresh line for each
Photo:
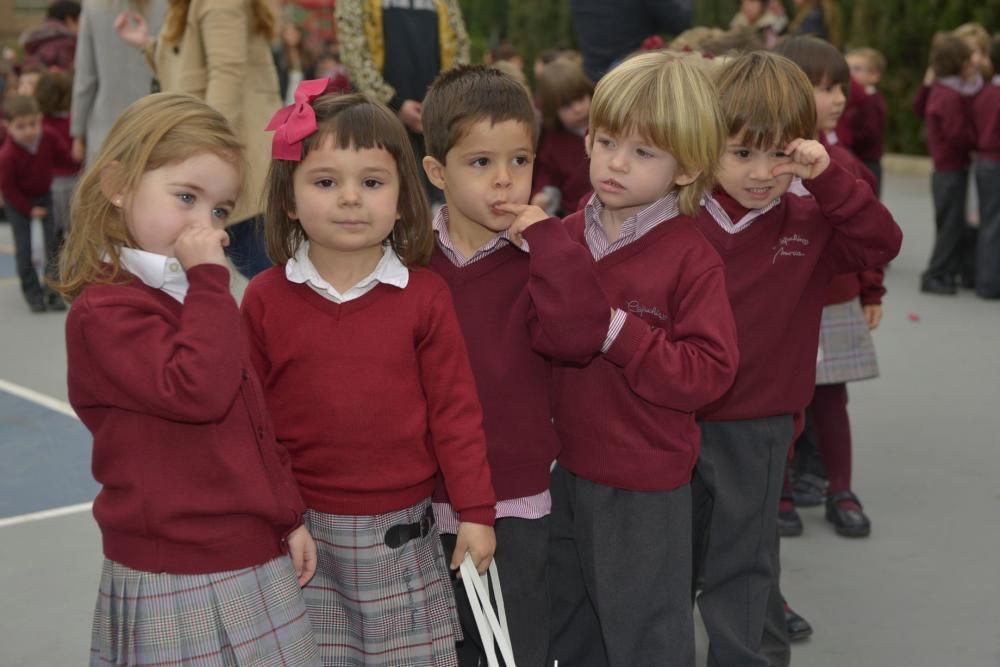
562,175
28,158
198,508
950,140
53,94
521,303
368,380
620,550
780,253
867,66
986,115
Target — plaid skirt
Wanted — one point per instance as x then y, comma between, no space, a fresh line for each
846,351
254,616
374,605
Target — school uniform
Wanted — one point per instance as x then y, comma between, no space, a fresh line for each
26,174
518,309
951,139
779,262
620,554
194,522
986,118
868,130
562,163
64,173
371,392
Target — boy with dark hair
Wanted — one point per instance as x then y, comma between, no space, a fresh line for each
27,159
518,309
780,254
951,139
52,45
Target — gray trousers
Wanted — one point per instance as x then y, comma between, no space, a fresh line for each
949,189
735,491
522,559
988,243
619,575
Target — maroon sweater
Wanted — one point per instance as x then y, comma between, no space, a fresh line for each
777,274
562,162
370,396
192,479
951,137
26,176
868,126
517,311
626,419
64,164
986,116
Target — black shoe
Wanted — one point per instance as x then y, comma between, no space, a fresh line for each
798,628
935,285
37,306
847,520
809,490
789,521
54,300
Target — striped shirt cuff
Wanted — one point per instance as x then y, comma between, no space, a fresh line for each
615,328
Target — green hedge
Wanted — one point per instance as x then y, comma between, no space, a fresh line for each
901,29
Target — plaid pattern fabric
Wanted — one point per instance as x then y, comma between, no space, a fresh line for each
254,616
846,351
375,606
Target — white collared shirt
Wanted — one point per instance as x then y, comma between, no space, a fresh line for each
157,271
389,270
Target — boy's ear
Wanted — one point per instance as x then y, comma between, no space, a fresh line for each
434,171
111,180
687,179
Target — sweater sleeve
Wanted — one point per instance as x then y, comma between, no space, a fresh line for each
191,373
251,314
453,412
696,363
12,194
569,313
356,53
223,26
920,101
865,236
872,288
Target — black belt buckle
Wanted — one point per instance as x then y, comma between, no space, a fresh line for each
402,533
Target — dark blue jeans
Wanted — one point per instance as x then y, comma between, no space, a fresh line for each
988,243
20,224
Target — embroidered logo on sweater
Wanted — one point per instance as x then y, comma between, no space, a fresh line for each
637,308
790,246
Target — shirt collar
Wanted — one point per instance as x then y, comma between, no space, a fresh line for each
661,210
156,271
389,270
719,214
962,87
440,226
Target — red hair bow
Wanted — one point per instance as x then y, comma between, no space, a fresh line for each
295,122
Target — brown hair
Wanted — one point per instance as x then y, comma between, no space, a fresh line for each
466,94
669,100
949,54
154,131
354,122
768,98
876,61
822,63
17,106
503,51
175,22
560,83
54,92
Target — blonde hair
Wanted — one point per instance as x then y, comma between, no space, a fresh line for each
154,131
670,101
175,21
876,61
975,32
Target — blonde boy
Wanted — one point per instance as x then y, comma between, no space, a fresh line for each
620,553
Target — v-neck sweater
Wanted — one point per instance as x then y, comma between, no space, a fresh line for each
626,419
371,396
518,311
777,274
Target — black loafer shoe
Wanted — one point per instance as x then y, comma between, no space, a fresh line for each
934,285
37,306
798,628
809,490
789,523
54,300
847,521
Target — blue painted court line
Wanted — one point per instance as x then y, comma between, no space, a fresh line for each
44,458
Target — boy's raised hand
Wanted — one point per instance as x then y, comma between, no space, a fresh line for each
479,540
525,216
809,159
200,245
